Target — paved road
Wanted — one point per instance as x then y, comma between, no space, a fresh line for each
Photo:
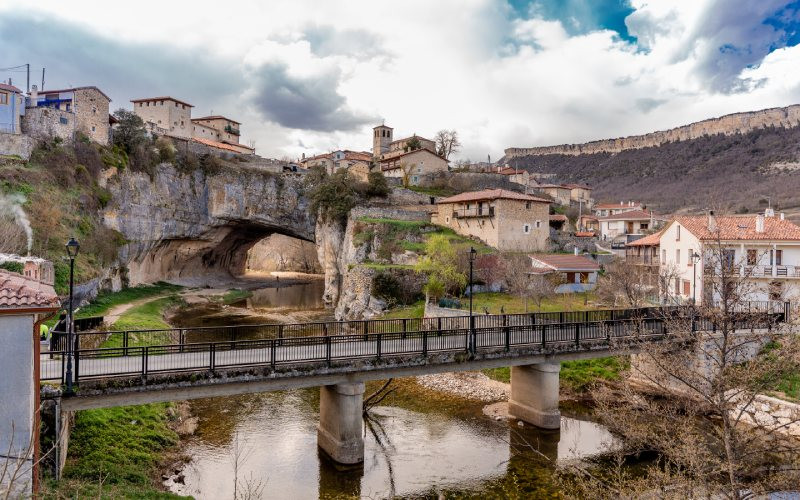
300,350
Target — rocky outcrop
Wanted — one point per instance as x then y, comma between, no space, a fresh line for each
356,300
187,224
282,253
736,123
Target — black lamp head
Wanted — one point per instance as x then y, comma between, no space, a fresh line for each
72,248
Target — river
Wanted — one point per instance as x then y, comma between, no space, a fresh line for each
418,443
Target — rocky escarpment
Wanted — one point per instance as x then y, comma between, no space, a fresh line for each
343,250
736,123
186,224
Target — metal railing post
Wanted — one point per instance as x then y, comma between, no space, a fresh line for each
145,351
424,343
272,353
404,329
280,334
544,335
212,357
378,346
125,341
328,350
577,334
366,331
77,351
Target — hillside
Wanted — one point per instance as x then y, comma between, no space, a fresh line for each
734,172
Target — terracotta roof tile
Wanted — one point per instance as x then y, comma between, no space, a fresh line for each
584,234
636,205
19,292
215,144
630,215
216,117
559,217
85,87
732,227
162,98
649,240
564,262
490,194
10,88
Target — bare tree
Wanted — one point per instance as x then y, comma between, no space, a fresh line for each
491,269
531,287
630,285
447,143
705,409
407,169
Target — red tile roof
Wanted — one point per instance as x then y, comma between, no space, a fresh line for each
630,215
559,217
743,227
584,234
162,98
649,240
216,117
19,292
215,144
563,262
10,88
510,171
394,158
490,194
578,186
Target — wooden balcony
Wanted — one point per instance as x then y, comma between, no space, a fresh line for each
643,260
759,271
465,213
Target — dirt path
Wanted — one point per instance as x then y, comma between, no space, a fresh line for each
115,312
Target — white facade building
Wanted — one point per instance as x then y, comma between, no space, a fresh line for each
762,249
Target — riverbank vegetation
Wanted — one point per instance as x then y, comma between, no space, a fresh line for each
105,301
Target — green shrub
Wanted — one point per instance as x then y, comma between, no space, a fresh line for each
332,196
377,185
385,286
14,267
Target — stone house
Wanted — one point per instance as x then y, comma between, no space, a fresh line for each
505,220
24,303
89,106
580,193
220,129
763,249
413,164
576,272
560,194
644,253
343,158
12,108
517,176
166,114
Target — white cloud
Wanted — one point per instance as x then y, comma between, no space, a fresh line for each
305,76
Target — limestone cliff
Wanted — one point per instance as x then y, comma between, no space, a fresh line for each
736,123
185,224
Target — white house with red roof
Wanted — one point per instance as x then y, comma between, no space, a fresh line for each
762,249
506,220
625,223
24,303
578,273
605,209
12,108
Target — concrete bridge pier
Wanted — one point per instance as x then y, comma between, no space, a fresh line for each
534,394
340,432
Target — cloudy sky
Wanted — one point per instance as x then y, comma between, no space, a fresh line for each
309,76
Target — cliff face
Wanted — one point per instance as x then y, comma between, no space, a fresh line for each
182,225
737,123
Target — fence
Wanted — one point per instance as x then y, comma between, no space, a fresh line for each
334,341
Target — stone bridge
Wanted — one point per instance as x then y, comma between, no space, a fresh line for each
181,224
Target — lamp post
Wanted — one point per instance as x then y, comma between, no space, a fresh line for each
72,251
695,259
472,253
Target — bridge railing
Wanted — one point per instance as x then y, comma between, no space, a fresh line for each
504,332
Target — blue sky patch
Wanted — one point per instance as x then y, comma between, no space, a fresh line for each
579,16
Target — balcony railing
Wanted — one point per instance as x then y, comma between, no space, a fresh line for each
758,271
231,130
473,212
643,260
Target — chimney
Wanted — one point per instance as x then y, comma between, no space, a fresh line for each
712,221
34,93
769,212
576,250
783,216
759,223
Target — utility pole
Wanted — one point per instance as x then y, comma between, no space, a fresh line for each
42,87
28,79
580,214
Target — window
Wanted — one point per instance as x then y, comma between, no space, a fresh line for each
728,258
526,228
538,224
447,220
528,205
677,286
689,258
776,290
778,257
176,104
664,256
94,110
3,98
686,287
677,256
752,257
93,129
63,120
677,233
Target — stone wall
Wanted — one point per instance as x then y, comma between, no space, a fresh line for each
737,123
45,123
389,213
356,300
469,181
16,145
91,112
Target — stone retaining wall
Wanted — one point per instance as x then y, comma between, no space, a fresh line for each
16,145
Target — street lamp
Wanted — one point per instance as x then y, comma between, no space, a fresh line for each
72,251
472,253
695,259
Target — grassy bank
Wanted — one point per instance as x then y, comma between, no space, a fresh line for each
115,453
577,375
107,300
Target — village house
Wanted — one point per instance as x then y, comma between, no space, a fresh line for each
517,176
505,220
165,115
559,222
625,223
580,193
88,106
588,223
574,273
606,209
560,194
358,163
408,158
763,249
12,108
644,253
220,129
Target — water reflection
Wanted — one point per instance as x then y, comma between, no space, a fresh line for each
302,296
407,453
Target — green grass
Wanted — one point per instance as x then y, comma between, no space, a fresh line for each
577,375
235,295
149,315
416,310
383,267
516,305
106,300
123,446
432,191
404,224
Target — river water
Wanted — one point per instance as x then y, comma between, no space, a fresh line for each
418,443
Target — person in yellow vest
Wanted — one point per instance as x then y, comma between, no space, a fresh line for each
44,333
